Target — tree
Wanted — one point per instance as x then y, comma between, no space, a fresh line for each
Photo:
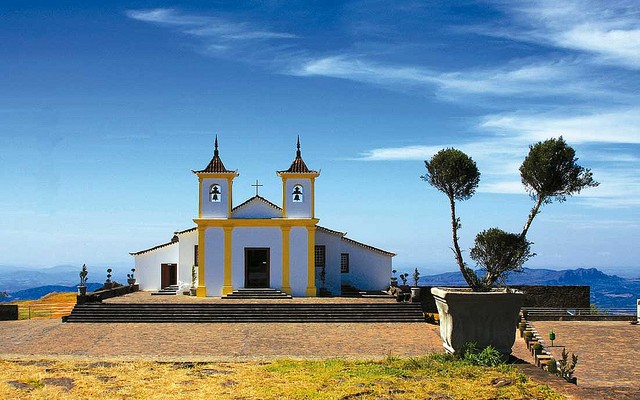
455,174
498,253
550,173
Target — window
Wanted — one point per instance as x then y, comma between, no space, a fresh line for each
195,255
320,256
296,194
215,194
344,263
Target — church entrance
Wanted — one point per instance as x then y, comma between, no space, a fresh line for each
256,268
168,275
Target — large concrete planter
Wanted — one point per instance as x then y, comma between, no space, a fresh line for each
486,318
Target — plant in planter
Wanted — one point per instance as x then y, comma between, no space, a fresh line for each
194,279
82,287
552,366
394,279
484,315
528,335
415,290
403,277
536,349
521,327
108,284
131,279
565,368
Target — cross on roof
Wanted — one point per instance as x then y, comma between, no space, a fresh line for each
257,186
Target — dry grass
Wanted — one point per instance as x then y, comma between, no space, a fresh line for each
435,376
53,305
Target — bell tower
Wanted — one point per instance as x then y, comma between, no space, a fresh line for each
298,188
216,182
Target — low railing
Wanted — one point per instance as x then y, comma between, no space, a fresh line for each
580,314
44,311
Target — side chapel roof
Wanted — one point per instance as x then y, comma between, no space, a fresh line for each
298,166
215,165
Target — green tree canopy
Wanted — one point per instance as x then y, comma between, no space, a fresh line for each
550,172
497,253
454,173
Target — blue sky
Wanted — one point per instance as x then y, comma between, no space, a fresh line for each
106,107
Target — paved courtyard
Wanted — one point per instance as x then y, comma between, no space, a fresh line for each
213,342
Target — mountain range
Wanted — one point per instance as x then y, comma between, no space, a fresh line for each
607,291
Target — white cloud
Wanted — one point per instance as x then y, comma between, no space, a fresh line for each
621,126
533,79
608,30
218,34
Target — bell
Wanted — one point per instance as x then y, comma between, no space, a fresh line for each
296,197
215,197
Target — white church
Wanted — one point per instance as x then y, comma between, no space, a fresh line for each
258,244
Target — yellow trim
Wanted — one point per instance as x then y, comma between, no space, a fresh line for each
255,222
312,177
313,199
286,285
229,177
300,175
201,290
230,197
227,281
217,175
311,267
284,197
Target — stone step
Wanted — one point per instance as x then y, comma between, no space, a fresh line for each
235,312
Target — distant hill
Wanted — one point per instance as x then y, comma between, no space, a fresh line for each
14,279
37,292
607,291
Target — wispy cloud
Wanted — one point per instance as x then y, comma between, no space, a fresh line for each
533,79
607,30
620,126
218,34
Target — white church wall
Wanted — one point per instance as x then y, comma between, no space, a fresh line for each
368,269
257,237
219,209
186,258
214,261
148,265
257,209
298,261
302,209
333,248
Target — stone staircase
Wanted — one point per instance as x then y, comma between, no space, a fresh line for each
168,291
257,293
232,312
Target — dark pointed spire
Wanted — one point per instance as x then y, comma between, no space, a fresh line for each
298,165
215,165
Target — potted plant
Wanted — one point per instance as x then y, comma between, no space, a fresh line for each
194,278
82,287
483,314
131,279
536,349
108,284
521,327
415,290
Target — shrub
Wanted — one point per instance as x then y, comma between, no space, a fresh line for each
552,366
565,368
487,357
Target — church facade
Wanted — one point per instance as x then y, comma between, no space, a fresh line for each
260,244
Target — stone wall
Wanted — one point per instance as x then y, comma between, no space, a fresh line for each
99,295
8,312
535,296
